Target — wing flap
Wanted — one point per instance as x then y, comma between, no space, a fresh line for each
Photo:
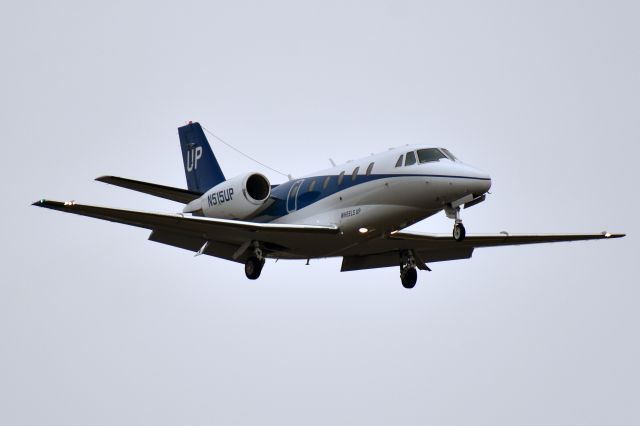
372,261
193,244
187,242
392,258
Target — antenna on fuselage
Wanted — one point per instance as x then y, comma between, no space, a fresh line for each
333,163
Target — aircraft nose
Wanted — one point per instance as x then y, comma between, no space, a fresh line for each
482,181
486,182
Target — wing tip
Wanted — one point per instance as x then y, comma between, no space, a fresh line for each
612,235
41,203
52,204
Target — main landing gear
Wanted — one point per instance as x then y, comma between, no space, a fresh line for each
408,276
458,228
254,264
409,265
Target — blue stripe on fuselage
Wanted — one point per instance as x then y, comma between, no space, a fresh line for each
305,198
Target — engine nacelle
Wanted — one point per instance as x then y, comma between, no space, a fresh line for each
236,198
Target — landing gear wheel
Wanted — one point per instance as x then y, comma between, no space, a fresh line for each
459,232
253,268
409,277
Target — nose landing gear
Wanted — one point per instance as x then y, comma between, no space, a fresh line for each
459,232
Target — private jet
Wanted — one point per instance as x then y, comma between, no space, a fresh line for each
355,210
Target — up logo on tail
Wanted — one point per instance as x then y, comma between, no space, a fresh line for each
193,155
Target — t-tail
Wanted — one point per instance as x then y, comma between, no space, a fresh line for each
200,165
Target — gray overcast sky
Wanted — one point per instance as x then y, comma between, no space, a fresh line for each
99,326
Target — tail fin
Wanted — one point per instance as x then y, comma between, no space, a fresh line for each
200,165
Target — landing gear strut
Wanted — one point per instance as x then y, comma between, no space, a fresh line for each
254,264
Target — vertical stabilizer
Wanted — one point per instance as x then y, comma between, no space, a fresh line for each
200,165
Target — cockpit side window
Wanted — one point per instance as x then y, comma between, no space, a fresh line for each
429,155
449,154
411,159
340,178
399,162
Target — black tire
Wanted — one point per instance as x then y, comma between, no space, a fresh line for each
409,278
253,268
459,232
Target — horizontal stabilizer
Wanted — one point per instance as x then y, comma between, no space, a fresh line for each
174,194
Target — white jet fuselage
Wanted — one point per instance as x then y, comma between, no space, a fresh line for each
372,196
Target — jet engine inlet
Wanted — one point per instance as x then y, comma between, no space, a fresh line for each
258,187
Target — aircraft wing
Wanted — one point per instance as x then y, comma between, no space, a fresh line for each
500,239
223,236
384,252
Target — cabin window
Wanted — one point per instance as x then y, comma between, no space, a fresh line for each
411,159
399,162
312,185
340,178
429,155
326,182
355,173
369,169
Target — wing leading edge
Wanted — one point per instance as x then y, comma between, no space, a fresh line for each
501,239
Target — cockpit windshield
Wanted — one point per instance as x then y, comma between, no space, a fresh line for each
426,155
430,154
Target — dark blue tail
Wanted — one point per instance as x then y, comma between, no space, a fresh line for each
200,165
